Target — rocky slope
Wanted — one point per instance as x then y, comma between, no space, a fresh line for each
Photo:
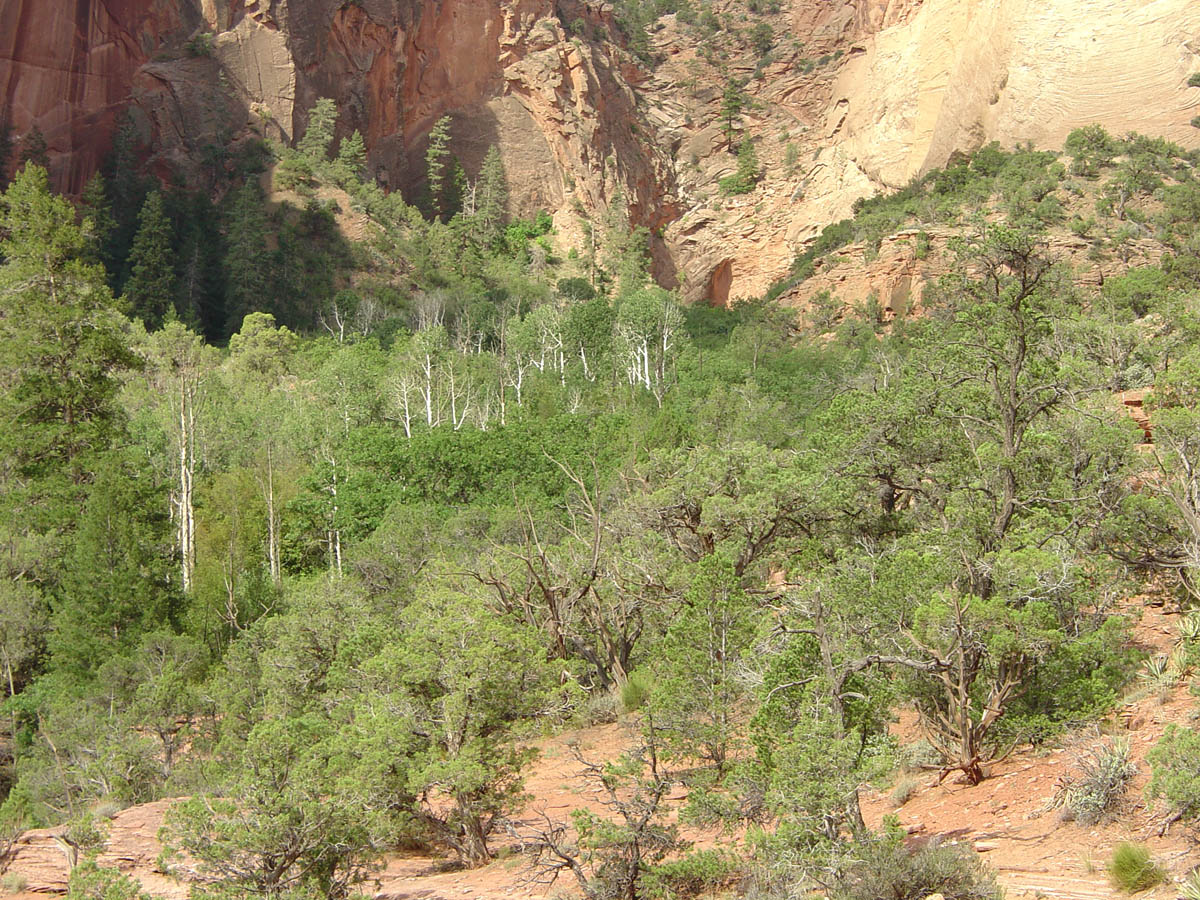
869,93
858,96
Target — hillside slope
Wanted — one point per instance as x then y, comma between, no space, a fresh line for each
861,94
1006,818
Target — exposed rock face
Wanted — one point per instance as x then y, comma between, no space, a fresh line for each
946,75
68,68
40,857
863,95
915,81
562,112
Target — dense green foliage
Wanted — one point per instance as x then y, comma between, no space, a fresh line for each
331,531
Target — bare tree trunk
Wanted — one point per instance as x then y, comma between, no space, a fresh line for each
272,520
187,472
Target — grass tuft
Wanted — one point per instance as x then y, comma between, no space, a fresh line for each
1132,869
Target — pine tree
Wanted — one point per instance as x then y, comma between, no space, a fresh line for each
34,149
62,345
625,248
319,135
200,296
247,276
436,164
454,190
96,211
491,196
127,191
6,149
115,585
352,158
733,101
150,290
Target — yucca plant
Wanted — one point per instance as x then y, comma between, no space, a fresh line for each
1159,676
1090,794
1189,628
1189,887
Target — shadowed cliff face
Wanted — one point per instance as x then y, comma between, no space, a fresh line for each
67,66
563,114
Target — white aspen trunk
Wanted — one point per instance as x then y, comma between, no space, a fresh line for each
428,370
587,373
466,408
187,471
334,533
272,521
403,393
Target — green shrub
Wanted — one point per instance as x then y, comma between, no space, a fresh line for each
886,868
1196,121
13,882
200,45
1089,796
600,708
1091,148
1132,869
762,38
293,172
697,873
1194,79
922,248
746,177
1175,767
87,833
791,156
92,882
635,691
734,185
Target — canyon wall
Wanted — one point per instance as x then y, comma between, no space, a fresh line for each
68,69
858,96
562,112
922,80
875,92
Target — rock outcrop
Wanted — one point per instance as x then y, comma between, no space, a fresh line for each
858,96
562,111
42,859
938,76
68,69
870,93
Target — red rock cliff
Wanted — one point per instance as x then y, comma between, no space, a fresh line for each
67,66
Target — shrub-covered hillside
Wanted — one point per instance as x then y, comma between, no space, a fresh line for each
443,491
